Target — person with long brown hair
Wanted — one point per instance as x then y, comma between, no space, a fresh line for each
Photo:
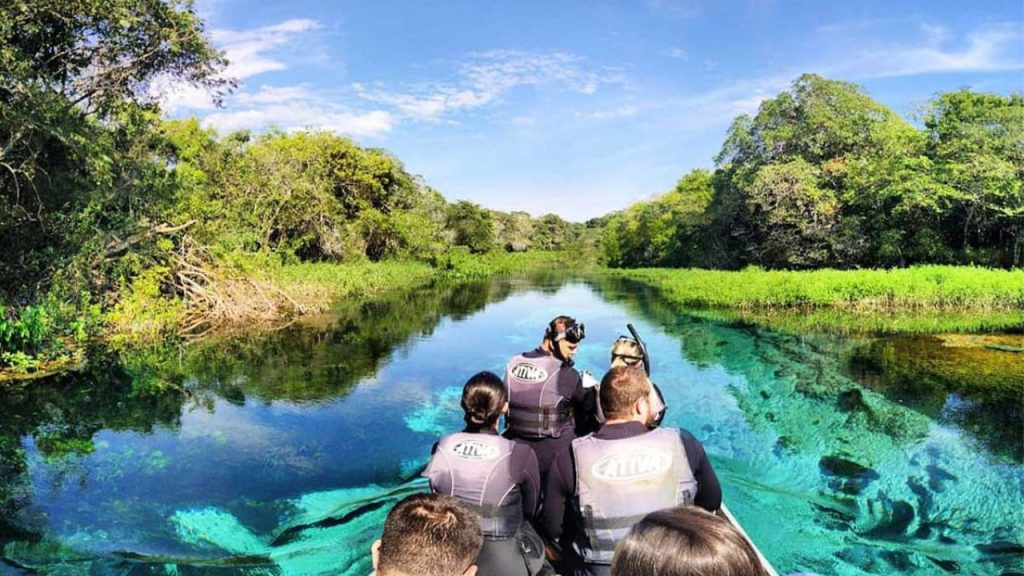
495,477
685,541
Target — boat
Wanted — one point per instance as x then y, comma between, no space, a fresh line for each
768,568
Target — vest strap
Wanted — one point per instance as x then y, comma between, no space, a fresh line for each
503,512
618,523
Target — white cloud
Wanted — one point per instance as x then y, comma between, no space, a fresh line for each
610,113
485,77
374,123
274,95
858,54
295,107
676,53
993,49
247,52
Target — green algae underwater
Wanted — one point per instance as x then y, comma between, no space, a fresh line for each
281,453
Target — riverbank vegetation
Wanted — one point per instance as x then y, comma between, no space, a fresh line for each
824,176
920,299
116,221
112,218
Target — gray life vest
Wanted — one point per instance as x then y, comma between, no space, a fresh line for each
535,408
618,482
476,469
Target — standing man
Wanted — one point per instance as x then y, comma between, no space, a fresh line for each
610,479
547,398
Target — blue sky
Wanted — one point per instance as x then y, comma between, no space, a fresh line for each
578,108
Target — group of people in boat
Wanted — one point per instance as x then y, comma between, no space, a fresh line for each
583,480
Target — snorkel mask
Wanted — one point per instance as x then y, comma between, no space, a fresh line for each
573,334
626,352
631,351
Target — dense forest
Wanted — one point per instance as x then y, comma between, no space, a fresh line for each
99,193
823,176
101,197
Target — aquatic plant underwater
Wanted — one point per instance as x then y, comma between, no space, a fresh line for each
826,474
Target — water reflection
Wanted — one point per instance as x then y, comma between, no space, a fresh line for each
281,452
974,383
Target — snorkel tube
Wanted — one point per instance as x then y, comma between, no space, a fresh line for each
646,359
643,349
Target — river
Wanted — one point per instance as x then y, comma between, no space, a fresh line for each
281,452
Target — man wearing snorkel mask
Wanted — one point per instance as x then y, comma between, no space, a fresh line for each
548,403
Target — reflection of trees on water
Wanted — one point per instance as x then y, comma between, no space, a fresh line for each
304,363
139,389
980,389
62,414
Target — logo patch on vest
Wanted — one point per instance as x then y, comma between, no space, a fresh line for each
633,466
475,450
529,373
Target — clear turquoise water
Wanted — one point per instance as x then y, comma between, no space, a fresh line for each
281,453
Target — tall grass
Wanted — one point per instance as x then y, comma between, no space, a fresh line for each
923,299
908,289
254,290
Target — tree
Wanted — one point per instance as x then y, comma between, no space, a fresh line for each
74,107
513,231
551,232
471,225
792,218
977,142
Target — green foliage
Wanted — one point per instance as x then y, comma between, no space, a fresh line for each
513,231
459,263
471,226
790,216
77,181
920,287
823,176
977,142
662,232
37,334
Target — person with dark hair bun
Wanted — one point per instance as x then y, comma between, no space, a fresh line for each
496,478
685,541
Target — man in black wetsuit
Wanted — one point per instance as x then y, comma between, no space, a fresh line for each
610,479
548,403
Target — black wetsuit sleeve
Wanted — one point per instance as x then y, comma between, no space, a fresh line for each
558,495
709,491
525,460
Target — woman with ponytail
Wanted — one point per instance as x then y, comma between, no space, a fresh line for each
497,478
